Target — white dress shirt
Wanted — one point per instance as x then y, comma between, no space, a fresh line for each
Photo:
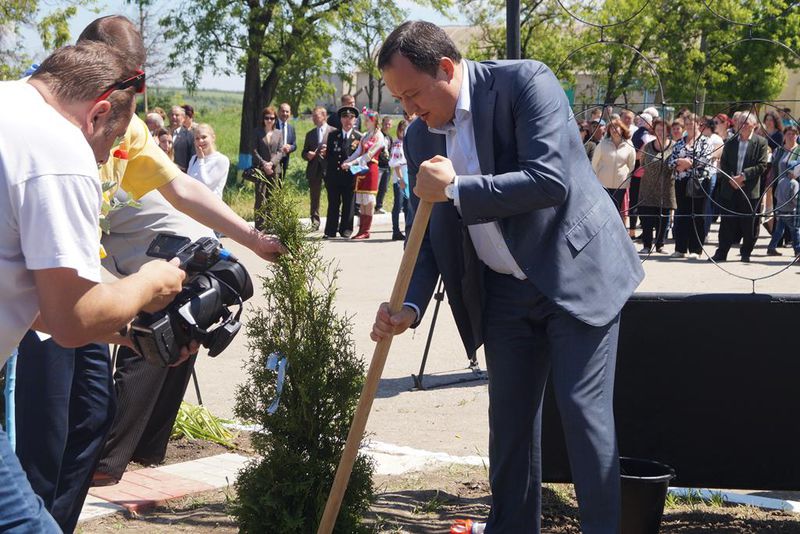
487,238
742,153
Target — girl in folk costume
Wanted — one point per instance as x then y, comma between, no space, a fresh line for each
364,163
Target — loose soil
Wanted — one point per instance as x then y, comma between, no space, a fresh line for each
427,502
183,450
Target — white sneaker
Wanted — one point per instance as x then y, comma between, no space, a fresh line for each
693,256
645,250
677,254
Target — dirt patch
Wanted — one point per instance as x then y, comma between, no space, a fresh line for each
183,450
427,502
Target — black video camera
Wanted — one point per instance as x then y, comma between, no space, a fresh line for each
215,280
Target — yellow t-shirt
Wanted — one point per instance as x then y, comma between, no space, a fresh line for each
147,167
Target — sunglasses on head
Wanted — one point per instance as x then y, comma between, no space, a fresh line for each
137,82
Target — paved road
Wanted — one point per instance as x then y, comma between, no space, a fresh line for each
452,419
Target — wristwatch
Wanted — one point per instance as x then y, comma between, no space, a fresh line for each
449,189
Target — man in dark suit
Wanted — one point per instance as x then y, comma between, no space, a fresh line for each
314,152
338,182
534,257
182,138
287,130
742,163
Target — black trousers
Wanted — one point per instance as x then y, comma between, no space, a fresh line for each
65,404
383,185
148,399
633,202
654,220
690,225
340,201
736,226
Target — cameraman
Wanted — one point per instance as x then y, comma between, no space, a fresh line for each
148,397
49,244
65,397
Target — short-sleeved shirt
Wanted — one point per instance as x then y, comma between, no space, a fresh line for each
50,200
147,166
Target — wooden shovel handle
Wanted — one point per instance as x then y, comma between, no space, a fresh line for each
359,423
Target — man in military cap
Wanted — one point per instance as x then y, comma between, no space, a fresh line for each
338,182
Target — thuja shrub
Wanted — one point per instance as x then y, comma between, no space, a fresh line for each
299,445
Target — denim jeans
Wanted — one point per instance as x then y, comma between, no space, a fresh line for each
400,202
21,510
782,222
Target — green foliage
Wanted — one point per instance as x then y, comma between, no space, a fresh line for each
285,490
693,53
364,26
50,20
196,422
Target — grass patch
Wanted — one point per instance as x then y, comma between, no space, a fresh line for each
196,422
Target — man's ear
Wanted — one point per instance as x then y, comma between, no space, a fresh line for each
97,116
447,69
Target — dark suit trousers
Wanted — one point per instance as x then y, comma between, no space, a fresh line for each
148,398
315,191
340,200
526,338
653,219
65,404
738,223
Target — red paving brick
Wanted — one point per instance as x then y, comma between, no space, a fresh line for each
144,489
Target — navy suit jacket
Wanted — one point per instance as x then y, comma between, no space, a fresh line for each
560,225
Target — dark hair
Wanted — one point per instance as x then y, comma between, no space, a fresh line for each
422,43
792,127
269,110
189,110
401,125
162,131
119,33
776,121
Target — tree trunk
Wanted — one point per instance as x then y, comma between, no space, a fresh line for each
250,104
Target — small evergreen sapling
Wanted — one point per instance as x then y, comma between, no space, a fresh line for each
285,490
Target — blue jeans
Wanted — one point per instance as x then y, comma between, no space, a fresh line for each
21,510
400,202
783,222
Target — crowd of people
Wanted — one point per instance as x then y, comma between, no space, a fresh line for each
682,175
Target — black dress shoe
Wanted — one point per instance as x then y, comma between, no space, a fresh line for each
745,259
346,234
717,259
326,236
398,236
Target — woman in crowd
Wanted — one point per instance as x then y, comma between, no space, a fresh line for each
613,162
691,162
784,158
716,144
773,130
397,162
267,158
676,129
586,136
657,189
165,142
723,126
208,165
366,155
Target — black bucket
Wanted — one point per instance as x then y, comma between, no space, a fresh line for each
644,491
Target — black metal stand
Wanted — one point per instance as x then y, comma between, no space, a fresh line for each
477,372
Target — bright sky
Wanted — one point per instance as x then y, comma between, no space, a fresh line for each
210,81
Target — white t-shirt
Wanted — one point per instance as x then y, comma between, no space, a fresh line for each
50,199
211,170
